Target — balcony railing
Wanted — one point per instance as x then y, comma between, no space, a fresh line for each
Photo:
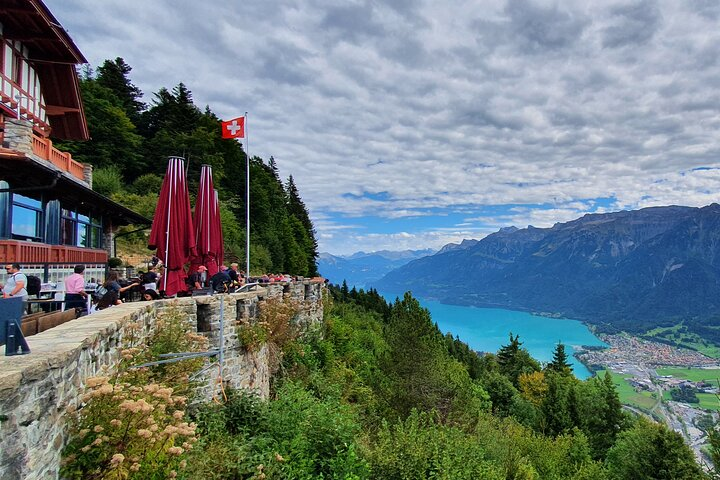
33,252
42,147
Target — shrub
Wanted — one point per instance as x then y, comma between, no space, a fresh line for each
107,180
276,327
420,447
128,431
114,262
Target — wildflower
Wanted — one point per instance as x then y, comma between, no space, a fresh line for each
117,459
144,433
97,441
175,450
172,474
98,429
115,422
135,467
85,449
279,457
183,464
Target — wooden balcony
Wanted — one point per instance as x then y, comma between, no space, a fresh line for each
38,253
42,147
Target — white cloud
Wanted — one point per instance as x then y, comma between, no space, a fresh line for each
489,103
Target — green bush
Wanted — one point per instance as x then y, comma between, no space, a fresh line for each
108,180
420,447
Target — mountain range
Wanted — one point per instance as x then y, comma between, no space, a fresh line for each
628,270
361,268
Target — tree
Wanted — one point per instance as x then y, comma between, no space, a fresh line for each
652,451
559,363
113,75
296,208
514,361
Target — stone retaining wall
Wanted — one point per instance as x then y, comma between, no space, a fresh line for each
37,389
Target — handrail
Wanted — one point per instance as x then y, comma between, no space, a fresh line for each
42,147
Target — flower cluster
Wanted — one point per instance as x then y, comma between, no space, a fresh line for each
132,423
127,431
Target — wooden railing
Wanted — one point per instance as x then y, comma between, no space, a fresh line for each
35,252
42,147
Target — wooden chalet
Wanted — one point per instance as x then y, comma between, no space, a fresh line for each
50,218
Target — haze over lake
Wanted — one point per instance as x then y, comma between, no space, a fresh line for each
487,329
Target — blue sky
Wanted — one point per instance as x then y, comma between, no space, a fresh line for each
413,123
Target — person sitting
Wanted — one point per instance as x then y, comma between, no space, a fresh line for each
221,282
75,296
112,291
197,280
149,279
150,295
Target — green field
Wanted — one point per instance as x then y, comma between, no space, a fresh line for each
708,401
627,394
709,375
681,337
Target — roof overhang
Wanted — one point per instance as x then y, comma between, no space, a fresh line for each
25,173
54,56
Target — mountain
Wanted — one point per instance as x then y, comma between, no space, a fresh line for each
629,270
360,269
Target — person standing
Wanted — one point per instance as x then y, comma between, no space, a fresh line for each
75,296
16,283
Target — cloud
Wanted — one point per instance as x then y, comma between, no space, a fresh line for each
466,107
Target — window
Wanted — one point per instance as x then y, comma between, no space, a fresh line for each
26,218
80,230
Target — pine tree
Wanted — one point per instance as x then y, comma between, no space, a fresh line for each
113,75
559,363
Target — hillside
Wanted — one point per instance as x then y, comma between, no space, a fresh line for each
628,270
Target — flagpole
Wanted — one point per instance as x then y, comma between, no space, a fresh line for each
247,201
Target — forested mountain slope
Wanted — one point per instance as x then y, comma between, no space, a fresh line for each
629,270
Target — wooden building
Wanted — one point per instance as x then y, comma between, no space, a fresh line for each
50,218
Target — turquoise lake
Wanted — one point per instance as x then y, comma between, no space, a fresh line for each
487,329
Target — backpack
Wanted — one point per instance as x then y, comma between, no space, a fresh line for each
100,291
33,285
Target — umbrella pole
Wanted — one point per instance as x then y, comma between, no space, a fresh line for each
167,227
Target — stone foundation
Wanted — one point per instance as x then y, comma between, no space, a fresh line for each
37,389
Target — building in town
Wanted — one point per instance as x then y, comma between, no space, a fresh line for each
50,218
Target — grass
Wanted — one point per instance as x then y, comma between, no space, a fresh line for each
708,401
710,375
681,337
627,393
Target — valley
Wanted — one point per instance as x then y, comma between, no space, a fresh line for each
645,372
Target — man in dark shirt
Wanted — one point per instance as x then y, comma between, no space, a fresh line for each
233,273
197,280
221,282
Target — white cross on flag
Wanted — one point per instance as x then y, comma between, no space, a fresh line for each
234,128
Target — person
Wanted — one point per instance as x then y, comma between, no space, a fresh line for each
197,280
112,295
149,279
16,283
150,295
233,273
221,282
75,296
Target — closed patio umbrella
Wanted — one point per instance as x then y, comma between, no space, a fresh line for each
208,229
172,229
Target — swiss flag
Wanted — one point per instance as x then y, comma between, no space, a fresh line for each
234,128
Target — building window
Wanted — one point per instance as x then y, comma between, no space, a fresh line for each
80,230
26,218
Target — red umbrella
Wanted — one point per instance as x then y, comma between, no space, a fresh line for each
208,231
172,228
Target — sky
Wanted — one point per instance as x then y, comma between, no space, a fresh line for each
410,124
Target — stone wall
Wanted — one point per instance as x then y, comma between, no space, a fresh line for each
37,389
